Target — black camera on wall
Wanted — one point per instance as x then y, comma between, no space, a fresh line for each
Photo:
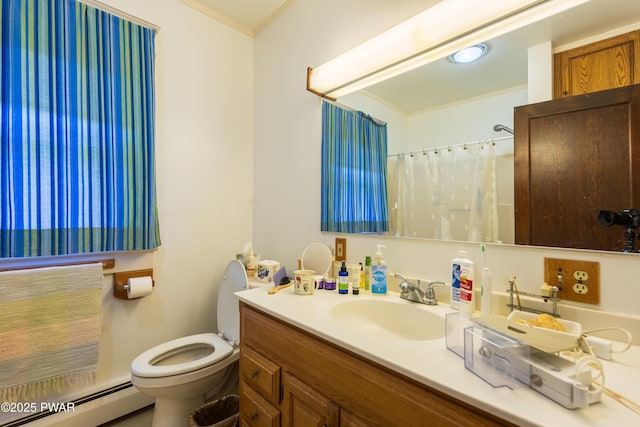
629,218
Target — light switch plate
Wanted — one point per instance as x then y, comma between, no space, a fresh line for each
341,249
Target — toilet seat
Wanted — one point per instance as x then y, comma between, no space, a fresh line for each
146,364
194,352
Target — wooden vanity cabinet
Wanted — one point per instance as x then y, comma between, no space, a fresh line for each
322,384
602,65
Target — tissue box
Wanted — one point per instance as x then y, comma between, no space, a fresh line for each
266,270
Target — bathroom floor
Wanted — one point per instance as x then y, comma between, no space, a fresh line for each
140,418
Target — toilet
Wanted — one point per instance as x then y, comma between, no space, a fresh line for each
184,373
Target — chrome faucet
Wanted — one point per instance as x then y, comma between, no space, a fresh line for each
413,291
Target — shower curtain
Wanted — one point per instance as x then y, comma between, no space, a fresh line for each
448,193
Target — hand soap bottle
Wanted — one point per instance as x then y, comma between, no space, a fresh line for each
379,274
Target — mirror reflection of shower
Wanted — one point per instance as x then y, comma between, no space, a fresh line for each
499,128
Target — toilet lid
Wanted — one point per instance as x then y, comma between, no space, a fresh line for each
181,355
234,280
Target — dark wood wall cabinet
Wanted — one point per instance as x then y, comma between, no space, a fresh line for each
291,378
574,157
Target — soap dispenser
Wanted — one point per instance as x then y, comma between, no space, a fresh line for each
379,274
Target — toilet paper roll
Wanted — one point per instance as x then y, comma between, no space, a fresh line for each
139,287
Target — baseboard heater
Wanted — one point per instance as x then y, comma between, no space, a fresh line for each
85,399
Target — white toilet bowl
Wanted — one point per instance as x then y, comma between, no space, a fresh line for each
183,373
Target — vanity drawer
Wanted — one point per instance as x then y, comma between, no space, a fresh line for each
255,411
261,374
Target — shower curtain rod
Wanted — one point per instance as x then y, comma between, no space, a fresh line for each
346,107
449,147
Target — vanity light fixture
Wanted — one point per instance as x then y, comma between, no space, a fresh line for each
435,33
469,54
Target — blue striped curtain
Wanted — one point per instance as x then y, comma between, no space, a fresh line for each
76,131
354,172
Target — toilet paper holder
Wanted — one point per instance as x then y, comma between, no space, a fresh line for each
121,279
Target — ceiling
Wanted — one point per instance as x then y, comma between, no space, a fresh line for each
248,16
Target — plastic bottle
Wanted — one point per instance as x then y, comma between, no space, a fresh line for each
343,279
358,282
367,273
251,262
462,278
379,274
485,285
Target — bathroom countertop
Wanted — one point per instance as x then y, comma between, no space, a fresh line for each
431,363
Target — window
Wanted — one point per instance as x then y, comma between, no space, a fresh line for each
354,172
76,131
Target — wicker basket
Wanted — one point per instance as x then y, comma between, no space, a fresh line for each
218,413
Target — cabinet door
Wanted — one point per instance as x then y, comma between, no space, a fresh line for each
575,157
302,406
606,64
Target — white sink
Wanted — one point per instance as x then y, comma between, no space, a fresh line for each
395,317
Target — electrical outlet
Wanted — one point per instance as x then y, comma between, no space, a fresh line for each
577,280
581,276
580,288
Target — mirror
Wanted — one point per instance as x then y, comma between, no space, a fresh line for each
444,104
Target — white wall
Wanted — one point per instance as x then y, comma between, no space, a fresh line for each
464,122
287,157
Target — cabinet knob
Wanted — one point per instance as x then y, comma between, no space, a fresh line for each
254,415
254,374
565,92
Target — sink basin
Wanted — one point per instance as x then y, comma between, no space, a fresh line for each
398,318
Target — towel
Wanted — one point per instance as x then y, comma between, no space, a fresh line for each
50,322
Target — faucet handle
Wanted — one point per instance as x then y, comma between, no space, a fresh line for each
430,292
435,284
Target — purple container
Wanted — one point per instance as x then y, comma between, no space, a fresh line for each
330,283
